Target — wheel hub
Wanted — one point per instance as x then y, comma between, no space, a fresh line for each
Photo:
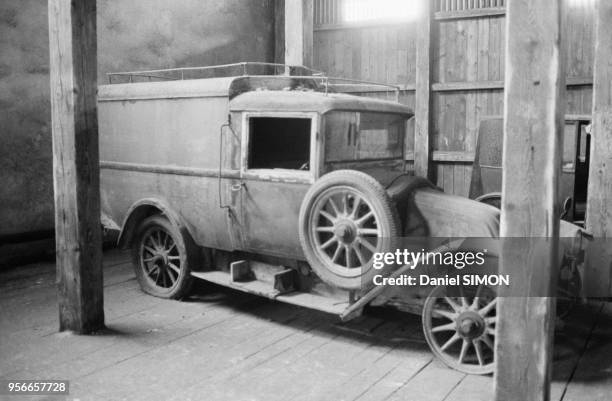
345,231
160,260
470,325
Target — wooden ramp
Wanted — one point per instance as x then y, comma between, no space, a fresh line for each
227,345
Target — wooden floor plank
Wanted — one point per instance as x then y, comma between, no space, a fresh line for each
233,346
164,371
592,380
433,383
382,377
265,372
473,388
571,339
128,336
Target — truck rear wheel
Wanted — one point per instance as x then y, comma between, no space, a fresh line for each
160,258
345,218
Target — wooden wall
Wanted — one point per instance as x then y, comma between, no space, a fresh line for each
468,39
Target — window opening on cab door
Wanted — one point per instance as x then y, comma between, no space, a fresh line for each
279,143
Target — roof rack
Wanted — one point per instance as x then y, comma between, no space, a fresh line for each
233,69
333,84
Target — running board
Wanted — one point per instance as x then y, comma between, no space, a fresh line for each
277,291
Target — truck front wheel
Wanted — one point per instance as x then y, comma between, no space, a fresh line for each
160,258
460,330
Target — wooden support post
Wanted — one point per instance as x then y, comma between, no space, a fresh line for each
73,70
422,145
299,32
599,200
534,101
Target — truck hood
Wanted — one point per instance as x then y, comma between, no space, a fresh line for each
427,211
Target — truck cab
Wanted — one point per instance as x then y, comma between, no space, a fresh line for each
286,140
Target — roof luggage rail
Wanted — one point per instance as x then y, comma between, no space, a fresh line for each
228,70
253,68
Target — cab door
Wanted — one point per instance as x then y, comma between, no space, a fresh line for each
279,163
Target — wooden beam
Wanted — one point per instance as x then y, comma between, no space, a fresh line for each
365,88
466,86
577,117
599,200
492,85
579,81
487,12
73,73
359,25
446,156
452,156
533,133
299,32
422,116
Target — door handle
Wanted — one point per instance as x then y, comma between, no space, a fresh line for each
237,187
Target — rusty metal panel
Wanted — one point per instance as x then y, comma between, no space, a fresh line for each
161,141
270,216
194,198
176,132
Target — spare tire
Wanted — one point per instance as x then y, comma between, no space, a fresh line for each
346,217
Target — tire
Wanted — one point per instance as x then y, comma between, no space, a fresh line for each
493,199
342,254
161,258
460,331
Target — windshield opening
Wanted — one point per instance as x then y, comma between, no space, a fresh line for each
353,136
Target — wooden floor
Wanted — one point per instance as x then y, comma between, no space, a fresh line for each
224,345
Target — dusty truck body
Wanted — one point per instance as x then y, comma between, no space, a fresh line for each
183,146
276,186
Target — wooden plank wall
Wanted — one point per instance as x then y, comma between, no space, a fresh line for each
468,39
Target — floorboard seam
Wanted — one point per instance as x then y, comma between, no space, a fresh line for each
408,380
387,373
583,351
453,388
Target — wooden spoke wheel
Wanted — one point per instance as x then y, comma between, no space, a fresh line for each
461,330
345,218
344,228
160,259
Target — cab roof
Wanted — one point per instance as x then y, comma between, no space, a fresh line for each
312,101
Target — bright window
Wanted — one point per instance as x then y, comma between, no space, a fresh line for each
372,10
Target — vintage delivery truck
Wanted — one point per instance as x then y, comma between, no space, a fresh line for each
275,185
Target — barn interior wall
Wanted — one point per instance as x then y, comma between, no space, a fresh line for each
467,69
132,35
